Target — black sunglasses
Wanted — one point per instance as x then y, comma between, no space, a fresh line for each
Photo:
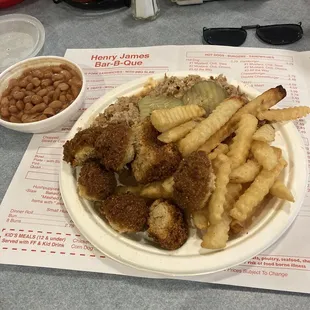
273,34
96,4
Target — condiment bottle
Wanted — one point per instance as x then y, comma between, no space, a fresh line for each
145,9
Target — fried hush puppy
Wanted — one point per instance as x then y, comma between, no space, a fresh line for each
82,146
95,183
125,212
154,160
167,225
194,181
115,146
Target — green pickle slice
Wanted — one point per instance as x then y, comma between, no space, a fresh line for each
207,94
148,104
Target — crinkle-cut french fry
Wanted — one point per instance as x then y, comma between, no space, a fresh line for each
266,133
218,197
246,172
236,227
264,154
240,148
165,119
158,189
233,192
205,129
278,151
217,235
260,187
219,136
177,133
279,190
280,115
221,149
200,218
275,95
269,97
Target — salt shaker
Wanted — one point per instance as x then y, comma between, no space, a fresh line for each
145,9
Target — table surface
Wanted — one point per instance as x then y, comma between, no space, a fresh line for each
41,288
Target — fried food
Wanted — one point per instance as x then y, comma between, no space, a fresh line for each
95,183
205,129
246,172
281,115
167,225
233,192
115,146
219,136
218,197
266,133
264,154
237,227
217,236
240,147
272,97
154,160
279,190
168,185
125,212
194,182
165,119
277,151
269,97
154,190
200,218
221,149
158,189
177,133
81,147
256,192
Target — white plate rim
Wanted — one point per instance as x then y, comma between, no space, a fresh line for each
113,245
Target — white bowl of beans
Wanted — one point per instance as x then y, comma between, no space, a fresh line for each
40,94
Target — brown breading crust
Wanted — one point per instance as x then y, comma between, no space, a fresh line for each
155,160
114,147
167,225
83,139
125,212
194,181
95,183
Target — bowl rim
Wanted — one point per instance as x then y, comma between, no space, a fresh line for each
51,119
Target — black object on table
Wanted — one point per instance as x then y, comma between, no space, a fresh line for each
96,4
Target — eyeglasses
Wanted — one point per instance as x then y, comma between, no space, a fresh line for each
272,34
96,4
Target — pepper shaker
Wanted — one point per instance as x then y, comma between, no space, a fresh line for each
145,9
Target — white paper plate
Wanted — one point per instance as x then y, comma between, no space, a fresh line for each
190,259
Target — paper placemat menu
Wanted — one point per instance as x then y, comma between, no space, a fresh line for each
35,228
